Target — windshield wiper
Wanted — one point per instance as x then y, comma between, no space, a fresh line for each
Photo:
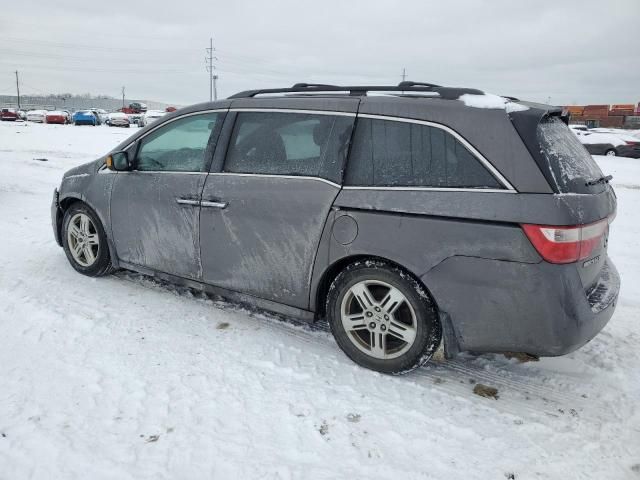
606,179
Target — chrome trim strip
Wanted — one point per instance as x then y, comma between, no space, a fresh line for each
206,203
162,171
186,201
268,175
200,112
433,189
293,110
459,137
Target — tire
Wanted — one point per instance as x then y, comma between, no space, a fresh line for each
96,263
611,153
410,313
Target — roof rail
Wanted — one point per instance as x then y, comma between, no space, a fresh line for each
409,84
448,93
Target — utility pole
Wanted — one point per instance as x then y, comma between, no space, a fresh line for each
404,74
122,97
213,90
18,89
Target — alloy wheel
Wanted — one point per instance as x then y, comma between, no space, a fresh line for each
83,240
378,319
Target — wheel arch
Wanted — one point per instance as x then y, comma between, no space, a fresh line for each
333,270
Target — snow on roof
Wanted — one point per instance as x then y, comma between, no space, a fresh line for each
489,100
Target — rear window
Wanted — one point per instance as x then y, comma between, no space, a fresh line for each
392,153
570,163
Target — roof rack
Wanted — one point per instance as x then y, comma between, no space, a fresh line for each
447,93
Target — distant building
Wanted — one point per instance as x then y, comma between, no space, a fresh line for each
613,116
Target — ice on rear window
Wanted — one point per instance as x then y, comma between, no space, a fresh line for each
488,100
571,165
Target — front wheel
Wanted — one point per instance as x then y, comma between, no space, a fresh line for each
610,153
382,318
84,241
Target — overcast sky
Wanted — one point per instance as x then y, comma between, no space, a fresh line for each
566,51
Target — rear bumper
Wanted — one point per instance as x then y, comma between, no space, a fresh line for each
541,309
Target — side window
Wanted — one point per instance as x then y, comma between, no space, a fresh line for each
289,144
180,146
392,153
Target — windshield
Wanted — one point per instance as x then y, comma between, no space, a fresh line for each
571,165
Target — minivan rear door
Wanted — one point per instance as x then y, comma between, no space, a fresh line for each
264,211
577,180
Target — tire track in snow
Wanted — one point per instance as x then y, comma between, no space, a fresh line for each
519,392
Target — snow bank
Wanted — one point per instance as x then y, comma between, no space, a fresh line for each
489,100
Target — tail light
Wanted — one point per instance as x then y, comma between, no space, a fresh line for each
566,244
631,143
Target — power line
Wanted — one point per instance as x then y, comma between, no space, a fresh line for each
18,88
213,91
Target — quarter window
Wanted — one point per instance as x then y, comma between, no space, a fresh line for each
289,144
180,146
394,153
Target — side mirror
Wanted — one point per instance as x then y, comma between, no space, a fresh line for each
118,161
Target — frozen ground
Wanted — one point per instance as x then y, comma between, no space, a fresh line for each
127,378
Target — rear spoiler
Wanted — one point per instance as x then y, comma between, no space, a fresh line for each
526,124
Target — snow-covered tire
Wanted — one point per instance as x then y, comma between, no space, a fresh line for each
397,306
85,242
611,152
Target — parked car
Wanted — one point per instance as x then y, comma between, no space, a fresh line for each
150,116
101,114
135,118
9,114
86,117
118,119
138,107
38,116
427,221
610,144
58,116
580,128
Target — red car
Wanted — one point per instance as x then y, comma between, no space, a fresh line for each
9,114
62,118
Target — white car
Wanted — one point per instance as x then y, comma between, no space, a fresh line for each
39,116
579,128
151,116
118,119
102,114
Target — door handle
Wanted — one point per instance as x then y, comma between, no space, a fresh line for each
187,201
210,204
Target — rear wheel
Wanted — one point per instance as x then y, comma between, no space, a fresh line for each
382,318
610,153
84,241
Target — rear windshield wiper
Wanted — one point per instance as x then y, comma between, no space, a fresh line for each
606,179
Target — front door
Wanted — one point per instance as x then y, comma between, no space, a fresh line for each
155,208
262,216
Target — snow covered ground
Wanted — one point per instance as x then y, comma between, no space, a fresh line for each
124,377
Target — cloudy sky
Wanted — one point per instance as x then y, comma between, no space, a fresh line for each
579,51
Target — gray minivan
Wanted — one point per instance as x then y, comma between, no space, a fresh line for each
408,216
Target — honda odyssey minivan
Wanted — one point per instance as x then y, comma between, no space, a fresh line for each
408,216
